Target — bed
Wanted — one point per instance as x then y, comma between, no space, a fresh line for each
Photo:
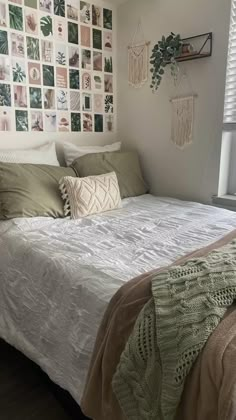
58,275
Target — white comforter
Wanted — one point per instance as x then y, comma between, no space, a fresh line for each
57,276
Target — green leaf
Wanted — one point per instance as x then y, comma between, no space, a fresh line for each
46,25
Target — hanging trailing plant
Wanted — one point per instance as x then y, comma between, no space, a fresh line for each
164,53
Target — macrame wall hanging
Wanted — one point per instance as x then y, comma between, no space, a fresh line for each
138,59
182,117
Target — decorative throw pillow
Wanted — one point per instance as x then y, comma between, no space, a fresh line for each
43,155
31,190
90,195
124,164
72,151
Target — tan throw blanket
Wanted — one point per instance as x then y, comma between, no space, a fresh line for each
99,401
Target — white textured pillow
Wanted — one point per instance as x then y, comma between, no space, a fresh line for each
90,195
72,152
43,155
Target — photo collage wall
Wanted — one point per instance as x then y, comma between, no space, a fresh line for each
56,66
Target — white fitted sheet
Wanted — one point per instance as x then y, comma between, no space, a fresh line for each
58,276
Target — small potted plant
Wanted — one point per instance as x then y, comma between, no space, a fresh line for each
165,52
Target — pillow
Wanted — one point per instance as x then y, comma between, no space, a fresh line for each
45,155
31,190
90,195
72,152
125,164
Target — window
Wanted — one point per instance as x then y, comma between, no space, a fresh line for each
230,91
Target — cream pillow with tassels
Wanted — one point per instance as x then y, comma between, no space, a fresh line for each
90,195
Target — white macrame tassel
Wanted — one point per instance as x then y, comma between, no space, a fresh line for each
182,121
138,65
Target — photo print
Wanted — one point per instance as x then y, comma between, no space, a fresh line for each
107,19
32,48
16,17
85,36
5,120
86,81
5,95
87,122
109,104
96,15
74,100
17,45
63,121
97,81
107,41
108,65
75,121
97,61
62,100
74,55
61,77
22,122
98,123
49,99
85,12
45,6
18,71
74,79
31,21
48,75
98,104
35,97
4,48
108,83
61,54
17,1
87,102
20,96
34,73
50,122
73,33
59,8
31,3
4,68
109,123
86,59
60,29
72,9
36,121
97,39
47,51
3,15
46,26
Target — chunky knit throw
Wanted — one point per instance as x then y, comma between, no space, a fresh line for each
188,303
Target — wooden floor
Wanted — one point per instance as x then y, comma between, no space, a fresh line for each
26,392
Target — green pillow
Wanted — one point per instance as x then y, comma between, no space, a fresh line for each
28,190
124,164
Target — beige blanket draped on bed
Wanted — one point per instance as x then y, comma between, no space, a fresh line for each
210,390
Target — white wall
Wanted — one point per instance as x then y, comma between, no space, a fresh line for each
144,118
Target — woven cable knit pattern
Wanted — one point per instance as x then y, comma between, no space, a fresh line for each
188,303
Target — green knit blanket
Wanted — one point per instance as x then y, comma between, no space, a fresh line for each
188,303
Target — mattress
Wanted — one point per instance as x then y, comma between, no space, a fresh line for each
58,276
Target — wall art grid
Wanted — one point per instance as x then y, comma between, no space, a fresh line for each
56,66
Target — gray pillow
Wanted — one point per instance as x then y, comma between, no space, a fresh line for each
28,190
124,164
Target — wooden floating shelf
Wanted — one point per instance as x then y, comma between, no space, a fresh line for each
188,57
202,45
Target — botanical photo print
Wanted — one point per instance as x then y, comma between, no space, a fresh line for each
60,29
108,83
20,96
48,75
62,100
97,39
109,123
61,54
18,71
74,100
5,120
97,61
36,121
96,15
31,21
46,26
98,104
97,81
22,123
85,12
73,56
5,95
109,104
72,9
74,79
47,51
63,121
73,33
50,121
87,102
49,99
107,41
4,49
85,36
87,122
17,45
98,123
75,121
35,97
45,5
59,8
32,48
108,66
61,77
34,72
86,81
4,68
107,19
16,17
86,59
3,14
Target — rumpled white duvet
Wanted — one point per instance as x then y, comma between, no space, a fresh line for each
57,276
